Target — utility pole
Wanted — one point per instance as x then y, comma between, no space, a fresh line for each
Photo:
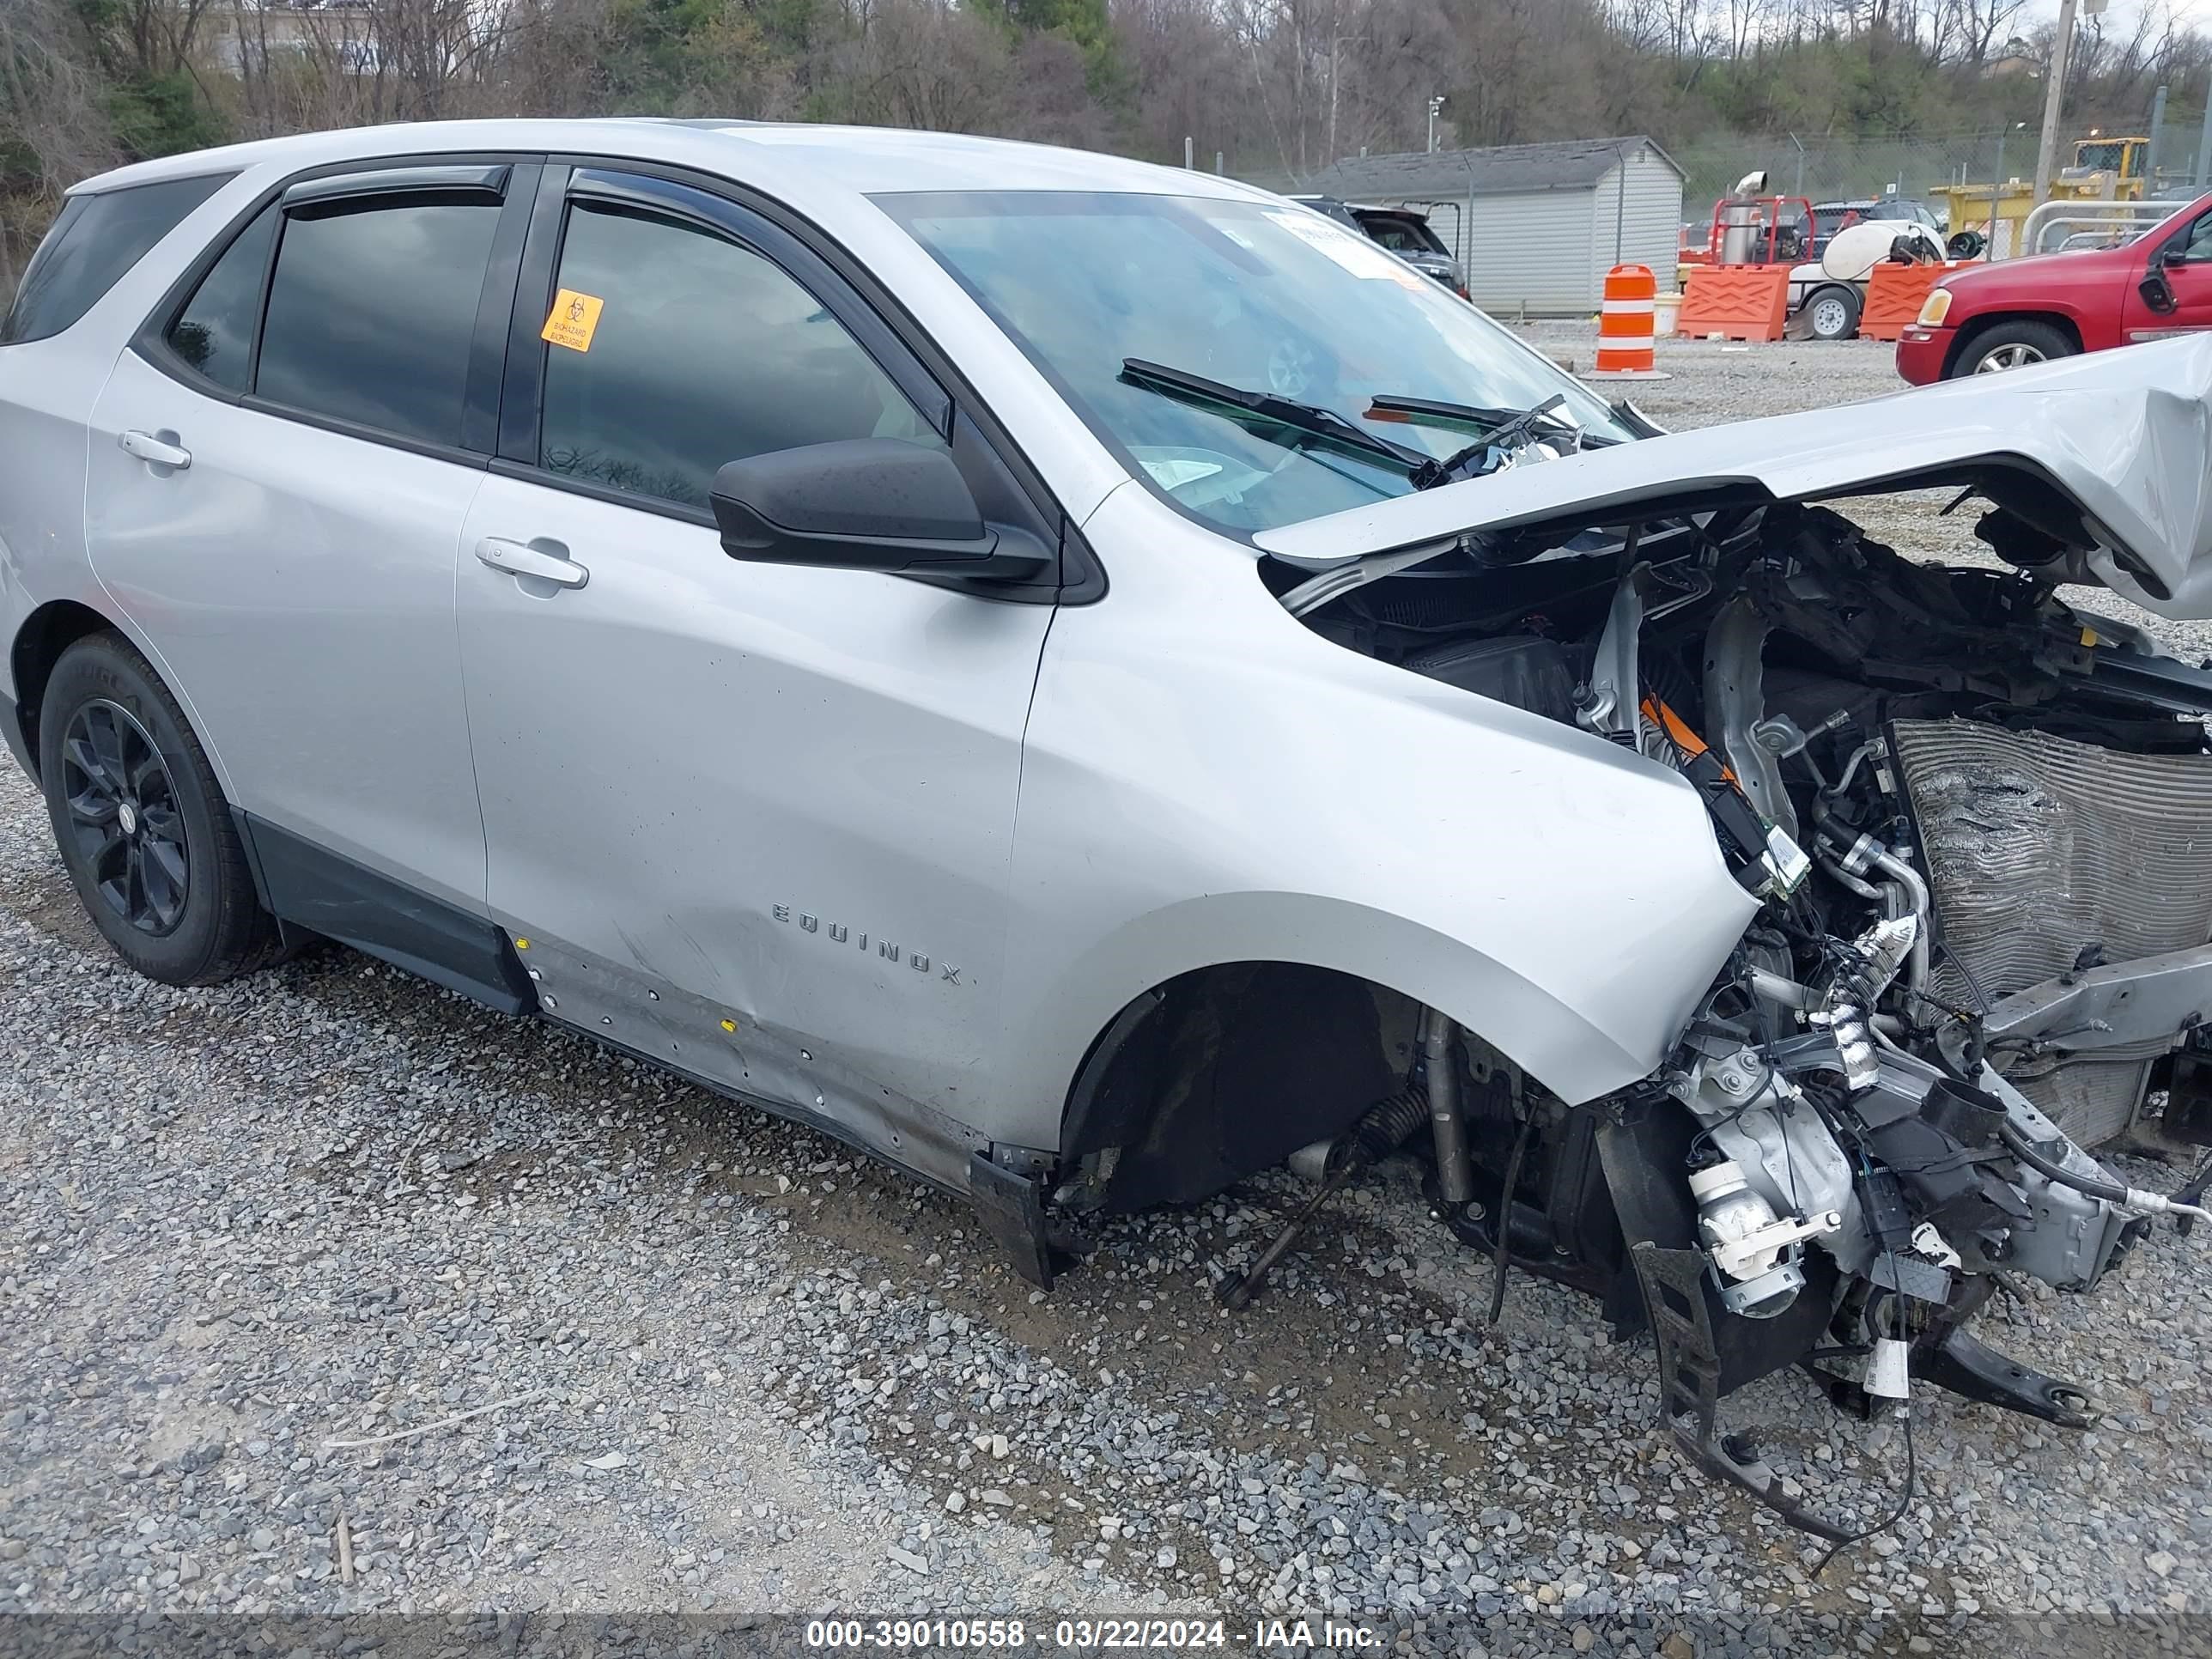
1335,51
2054,91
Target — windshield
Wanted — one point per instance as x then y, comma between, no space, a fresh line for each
1264,297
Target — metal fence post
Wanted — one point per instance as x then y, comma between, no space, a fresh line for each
1620,200
1996,192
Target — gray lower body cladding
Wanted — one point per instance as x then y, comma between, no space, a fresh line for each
2046,855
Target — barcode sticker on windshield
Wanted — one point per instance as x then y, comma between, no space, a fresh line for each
1356,254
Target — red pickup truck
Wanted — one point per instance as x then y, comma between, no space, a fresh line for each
1993,317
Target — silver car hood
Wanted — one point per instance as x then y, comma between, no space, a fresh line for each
2126,434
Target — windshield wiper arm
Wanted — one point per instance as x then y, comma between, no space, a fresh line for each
1311,420
1477,419
1517,428
1481,421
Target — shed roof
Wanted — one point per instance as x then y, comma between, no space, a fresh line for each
1506,170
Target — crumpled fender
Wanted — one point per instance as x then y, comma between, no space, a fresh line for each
1206,781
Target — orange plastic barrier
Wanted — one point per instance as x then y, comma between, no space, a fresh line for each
1738,302
1894,295
1624,336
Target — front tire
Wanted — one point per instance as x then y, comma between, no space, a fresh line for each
143,830
2011,345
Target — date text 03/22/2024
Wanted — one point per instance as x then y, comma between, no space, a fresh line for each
1283,1636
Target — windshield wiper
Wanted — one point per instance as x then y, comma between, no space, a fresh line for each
1481,421
1326,426
1476,419
1512,431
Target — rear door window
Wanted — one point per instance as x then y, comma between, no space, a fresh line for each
93,245
372,312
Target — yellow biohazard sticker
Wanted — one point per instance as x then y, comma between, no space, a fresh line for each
575,320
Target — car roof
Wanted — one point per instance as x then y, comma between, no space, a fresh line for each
864,159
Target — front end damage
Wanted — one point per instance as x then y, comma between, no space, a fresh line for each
1978,822
1978,819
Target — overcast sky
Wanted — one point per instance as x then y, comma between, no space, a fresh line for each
2198,12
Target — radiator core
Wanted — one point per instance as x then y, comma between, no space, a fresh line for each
2041,848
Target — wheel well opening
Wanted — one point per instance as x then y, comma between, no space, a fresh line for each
45,633
1975,327
1225,1071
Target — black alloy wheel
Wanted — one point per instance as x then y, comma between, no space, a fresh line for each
123,818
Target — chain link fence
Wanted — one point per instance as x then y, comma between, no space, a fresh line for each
1917,168
1849,169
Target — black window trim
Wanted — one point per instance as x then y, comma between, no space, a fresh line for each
509,177
853,295
490,180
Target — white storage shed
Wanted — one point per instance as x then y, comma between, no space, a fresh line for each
1534,227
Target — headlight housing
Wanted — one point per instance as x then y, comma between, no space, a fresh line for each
1936,308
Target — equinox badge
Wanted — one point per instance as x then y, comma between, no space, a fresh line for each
838,933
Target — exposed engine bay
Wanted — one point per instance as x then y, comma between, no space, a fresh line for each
1980,823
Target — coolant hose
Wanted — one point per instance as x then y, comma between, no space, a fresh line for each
2024,1149
2131,1199
1923,911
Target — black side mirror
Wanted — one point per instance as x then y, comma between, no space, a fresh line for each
866,504
2158,293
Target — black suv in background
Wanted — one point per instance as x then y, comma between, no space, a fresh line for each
1404,231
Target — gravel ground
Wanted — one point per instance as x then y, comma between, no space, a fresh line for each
721,1369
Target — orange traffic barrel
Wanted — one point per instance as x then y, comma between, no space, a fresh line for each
1625,324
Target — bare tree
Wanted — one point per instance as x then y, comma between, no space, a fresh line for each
53,128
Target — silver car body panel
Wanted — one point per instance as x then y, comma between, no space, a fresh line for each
2126,433
1207,780
788,792
1070,808
305,600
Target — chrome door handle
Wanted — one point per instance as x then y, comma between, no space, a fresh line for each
145,447
522,559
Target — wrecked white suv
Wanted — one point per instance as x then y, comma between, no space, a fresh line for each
1083,679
